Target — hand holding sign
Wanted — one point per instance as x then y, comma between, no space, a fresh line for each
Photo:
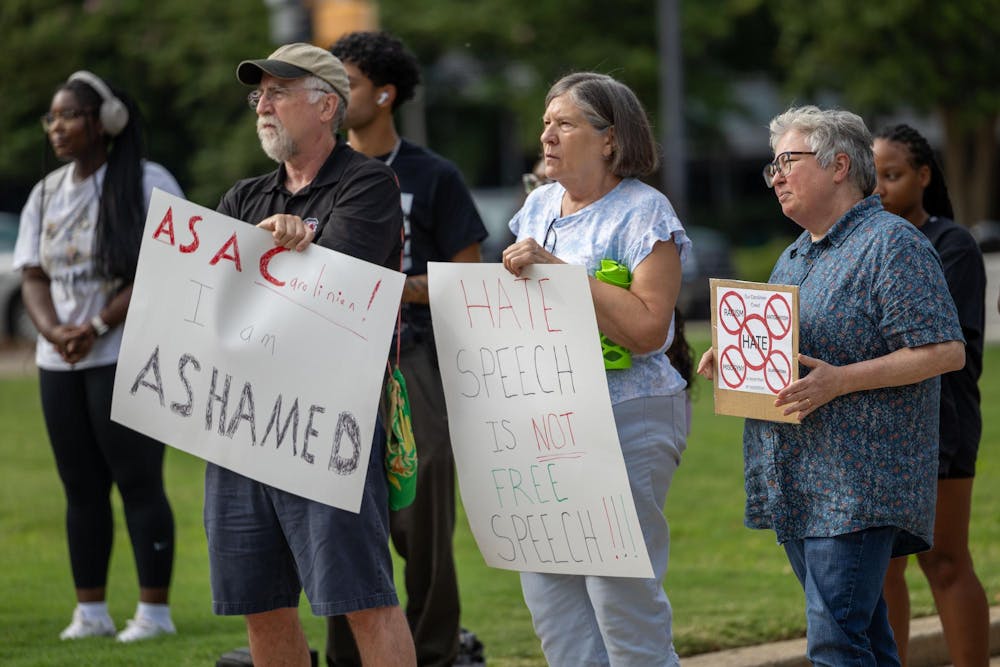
821,386
288,231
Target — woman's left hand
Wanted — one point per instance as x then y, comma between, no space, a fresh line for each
805,395
526,252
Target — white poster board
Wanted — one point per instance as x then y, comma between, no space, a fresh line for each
264,361
540,467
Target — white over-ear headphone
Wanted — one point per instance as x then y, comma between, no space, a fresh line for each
382,98
113,113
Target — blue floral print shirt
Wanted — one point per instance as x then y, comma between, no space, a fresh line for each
871,286
623,225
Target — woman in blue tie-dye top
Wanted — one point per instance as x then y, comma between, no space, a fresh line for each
596,142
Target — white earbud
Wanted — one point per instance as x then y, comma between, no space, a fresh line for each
383,97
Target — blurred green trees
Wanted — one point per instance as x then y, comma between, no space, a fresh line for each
488,64
493,59
515,49
927,55
176,58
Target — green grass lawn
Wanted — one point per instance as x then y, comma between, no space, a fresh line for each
729,585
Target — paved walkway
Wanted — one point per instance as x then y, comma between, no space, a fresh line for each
927,649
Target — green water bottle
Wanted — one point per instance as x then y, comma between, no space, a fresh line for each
614,273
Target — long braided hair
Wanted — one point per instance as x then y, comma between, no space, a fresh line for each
936,199
679,353
121,211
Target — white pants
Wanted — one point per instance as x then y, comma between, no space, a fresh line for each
590,620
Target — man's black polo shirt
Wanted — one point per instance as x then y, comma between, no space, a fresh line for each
353,200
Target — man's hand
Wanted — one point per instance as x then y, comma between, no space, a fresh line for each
288,231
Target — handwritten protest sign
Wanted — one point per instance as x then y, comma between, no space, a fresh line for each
265,361
540,467
755,335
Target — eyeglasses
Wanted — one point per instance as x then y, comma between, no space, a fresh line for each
276,94
530,182
782,164
65,115
555,238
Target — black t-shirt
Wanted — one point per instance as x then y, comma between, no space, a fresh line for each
962,261
439,216
354,202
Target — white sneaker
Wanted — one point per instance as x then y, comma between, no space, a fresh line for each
88,627
140,628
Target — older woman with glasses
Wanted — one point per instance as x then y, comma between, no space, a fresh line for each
853,484
596,143
77,250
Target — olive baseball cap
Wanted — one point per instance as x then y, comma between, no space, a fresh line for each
294,61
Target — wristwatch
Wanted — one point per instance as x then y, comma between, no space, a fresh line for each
100,326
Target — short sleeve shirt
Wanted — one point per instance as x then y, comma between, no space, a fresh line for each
871,286
965,273
623,225
57,234
353,203
439,216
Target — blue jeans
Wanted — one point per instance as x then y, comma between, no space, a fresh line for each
591,621
848,622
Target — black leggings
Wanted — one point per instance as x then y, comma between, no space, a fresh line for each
92,452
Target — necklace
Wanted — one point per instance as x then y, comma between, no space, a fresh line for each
78,202
393,153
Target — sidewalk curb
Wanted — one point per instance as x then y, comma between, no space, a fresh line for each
927,648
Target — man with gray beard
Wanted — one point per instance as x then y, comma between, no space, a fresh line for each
266,545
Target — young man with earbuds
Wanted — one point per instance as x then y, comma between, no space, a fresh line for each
441,224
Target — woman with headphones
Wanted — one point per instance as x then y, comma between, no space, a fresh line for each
77,249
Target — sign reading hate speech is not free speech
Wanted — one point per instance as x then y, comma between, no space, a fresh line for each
540,467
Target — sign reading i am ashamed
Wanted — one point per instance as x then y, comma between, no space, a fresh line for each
264,361
540,467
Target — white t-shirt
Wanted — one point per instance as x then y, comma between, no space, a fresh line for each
60,240
623,225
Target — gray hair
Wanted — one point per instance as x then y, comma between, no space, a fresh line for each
829,132
607,103
319,88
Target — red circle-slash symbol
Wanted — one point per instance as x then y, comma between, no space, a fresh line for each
778,371
778,316
732,312
755,341
732,367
